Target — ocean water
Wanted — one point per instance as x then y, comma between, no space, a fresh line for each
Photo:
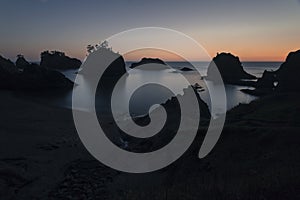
174,78
144,98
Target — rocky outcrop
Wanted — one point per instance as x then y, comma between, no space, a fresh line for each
186,69
149,61
7,70
35,77
288,73
21,62
58,60
112,63
230,68
173,121
116,68
7,66
285,79
30,77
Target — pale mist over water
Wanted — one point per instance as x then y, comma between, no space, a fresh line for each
143,99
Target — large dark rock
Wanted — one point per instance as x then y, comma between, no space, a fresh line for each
156,63
58,60
36,77
7,70
186,69
21,62
31,77
285,79
7,66
230,68
112,63
288,74
116,68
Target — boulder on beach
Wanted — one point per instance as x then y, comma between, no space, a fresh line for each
58,60
230,68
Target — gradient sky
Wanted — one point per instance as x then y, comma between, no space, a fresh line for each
254,30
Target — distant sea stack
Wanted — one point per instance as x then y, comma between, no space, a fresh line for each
186,69
230,68
156,64
58,60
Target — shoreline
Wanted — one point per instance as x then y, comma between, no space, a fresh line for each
44,158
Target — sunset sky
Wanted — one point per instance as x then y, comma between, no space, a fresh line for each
260,30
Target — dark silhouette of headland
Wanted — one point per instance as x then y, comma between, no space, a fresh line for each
30,76
284,80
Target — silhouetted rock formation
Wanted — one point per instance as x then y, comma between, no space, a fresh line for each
288,73
186,69
58,60
204,111
7,69
285,79
21,62
116,68
7,66
229,67
99,58
148,61
31,77
36,77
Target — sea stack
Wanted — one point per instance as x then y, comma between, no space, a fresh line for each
150,64
58,60
230,68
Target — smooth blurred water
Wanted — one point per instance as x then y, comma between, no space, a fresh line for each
142,99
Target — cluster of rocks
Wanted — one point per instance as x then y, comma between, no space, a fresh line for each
30,76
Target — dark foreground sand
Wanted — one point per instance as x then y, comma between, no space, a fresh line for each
257,157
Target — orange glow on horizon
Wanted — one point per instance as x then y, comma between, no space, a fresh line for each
152,53
244,53
168,56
